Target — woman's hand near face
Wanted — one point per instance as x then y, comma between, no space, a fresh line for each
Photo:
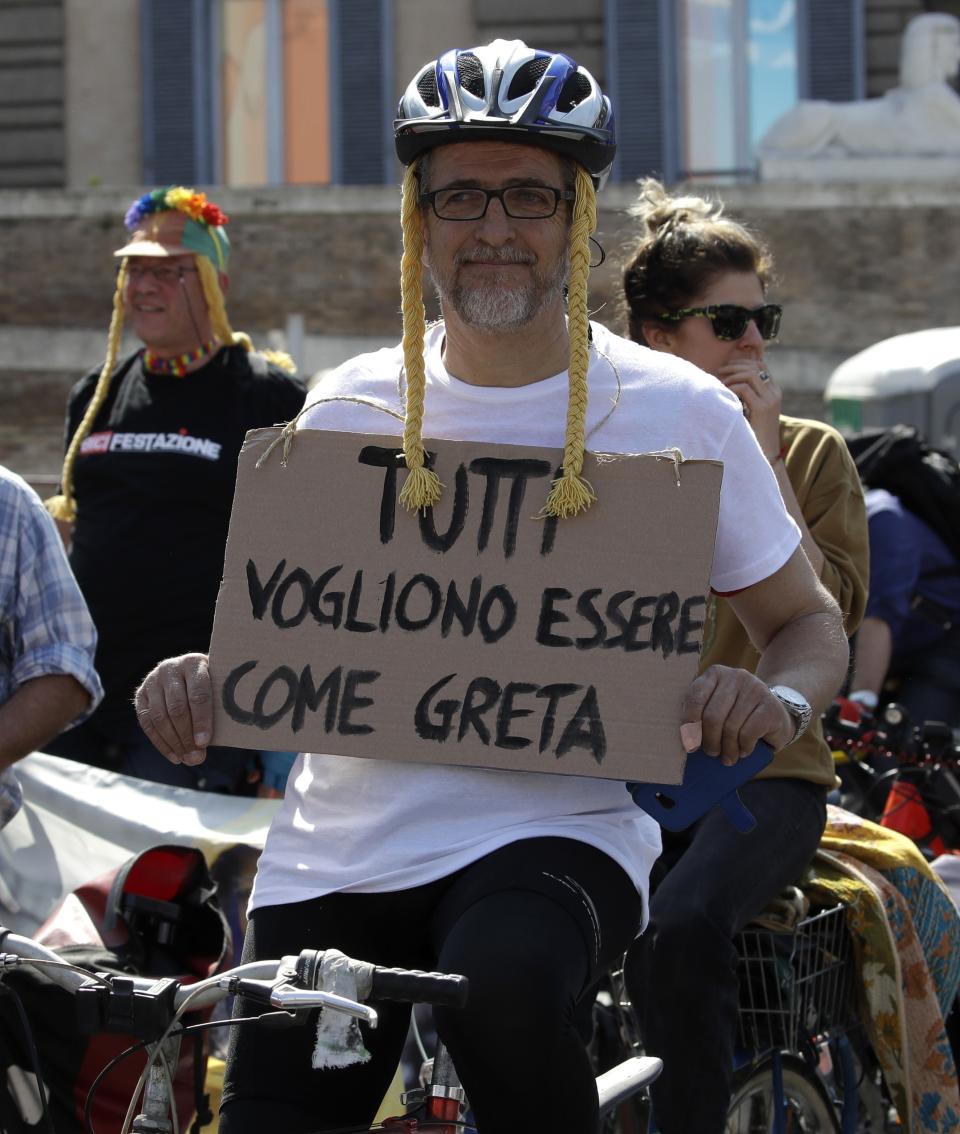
761,398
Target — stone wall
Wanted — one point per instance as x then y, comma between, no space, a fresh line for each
856,264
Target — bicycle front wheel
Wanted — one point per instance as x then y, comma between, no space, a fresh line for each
807,1110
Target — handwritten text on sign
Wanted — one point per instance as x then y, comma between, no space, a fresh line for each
473,633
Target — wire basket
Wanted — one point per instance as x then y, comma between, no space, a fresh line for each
795,986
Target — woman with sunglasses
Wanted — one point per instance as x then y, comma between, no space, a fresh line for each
695,286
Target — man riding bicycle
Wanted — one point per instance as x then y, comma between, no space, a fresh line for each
530,884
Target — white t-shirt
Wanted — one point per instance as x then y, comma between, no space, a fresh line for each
366,825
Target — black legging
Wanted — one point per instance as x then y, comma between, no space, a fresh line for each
531,925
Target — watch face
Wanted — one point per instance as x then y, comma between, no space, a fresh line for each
794,701
796,705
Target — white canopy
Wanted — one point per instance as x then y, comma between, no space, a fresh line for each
910,363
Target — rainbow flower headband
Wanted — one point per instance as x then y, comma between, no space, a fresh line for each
173,218
195,205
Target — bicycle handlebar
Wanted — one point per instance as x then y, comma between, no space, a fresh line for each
145,1006
891,733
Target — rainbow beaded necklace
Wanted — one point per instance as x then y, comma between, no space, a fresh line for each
180,363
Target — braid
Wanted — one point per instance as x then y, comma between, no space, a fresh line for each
570,493
221,324
63,506
422,487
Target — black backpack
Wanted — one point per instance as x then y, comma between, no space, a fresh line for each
926,480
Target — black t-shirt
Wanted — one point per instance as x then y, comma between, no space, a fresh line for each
154,486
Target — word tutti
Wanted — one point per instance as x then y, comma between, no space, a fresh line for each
490,709
491,471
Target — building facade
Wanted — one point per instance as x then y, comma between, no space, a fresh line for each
273,92
101,97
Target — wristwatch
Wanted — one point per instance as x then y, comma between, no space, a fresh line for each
796,705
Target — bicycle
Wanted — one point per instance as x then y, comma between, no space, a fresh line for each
801,1055
802,1064
901,775
152,1009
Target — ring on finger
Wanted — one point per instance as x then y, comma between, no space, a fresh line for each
764,376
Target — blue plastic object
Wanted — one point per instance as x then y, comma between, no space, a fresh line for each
706,784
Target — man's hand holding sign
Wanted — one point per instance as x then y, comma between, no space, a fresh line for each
473,650
724,711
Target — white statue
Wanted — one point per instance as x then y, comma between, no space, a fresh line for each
919,117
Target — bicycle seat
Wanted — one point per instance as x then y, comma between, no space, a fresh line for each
706,784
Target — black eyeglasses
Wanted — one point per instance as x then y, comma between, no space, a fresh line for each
522,202
162,273
729,320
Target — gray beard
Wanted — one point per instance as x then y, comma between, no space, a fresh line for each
495,308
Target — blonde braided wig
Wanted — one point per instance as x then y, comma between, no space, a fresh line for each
570,493
63,506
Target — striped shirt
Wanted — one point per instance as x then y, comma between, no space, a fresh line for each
45,627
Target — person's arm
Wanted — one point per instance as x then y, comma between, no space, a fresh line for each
38,711
872,657
52,668
825,478
798,629
807,540
894,575
790,618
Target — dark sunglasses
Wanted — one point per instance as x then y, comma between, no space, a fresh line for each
729,320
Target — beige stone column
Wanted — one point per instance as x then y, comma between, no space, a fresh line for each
103,96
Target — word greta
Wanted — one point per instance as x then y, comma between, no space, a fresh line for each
569,714
623,619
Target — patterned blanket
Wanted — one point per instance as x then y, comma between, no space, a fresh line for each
906,933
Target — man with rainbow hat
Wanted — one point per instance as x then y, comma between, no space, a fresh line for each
531,884
147,483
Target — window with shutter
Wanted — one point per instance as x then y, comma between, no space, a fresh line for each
32,94
176,97
642,81
696,83
831,40
360,83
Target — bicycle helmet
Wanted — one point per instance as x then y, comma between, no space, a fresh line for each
506,91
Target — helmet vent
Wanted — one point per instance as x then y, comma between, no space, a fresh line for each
427,86
575,90
470,72
527,77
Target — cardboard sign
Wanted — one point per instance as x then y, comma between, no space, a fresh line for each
474,633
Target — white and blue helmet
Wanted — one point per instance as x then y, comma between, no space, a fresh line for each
506,91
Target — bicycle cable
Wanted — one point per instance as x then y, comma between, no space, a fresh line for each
34,1055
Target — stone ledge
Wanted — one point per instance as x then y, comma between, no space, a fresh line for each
896,183
110,204
911,173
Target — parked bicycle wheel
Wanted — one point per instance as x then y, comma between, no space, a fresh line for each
807,1110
